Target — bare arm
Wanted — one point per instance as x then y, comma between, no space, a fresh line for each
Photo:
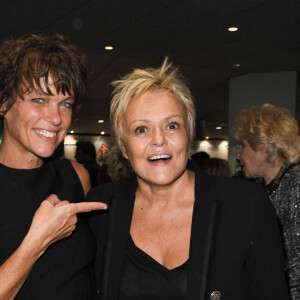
53,221
83,175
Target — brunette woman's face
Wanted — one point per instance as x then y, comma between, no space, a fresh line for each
35,125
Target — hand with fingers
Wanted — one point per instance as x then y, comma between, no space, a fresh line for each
55,220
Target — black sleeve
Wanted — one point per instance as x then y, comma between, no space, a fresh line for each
98,222
265,266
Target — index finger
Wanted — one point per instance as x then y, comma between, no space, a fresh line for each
87,206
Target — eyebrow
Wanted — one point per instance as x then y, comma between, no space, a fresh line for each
70,98
167,118
40,93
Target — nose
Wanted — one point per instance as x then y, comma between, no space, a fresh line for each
53,115
238,155
159,138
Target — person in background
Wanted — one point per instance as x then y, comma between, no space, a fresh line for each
200,157
42,256
86,155
173,232
115,166
271,149
216,166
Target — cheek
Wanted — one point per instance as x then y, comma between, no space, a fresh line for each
248,158
180,142
67,118
27,115
128,148
135,149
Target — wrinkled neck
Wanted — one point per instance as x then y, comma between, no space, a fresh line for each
271,171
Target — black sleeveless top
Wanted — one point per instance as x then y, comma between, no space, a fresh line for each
143,278
65,270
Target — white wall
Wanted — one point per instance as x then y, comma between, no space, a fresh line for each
218,149
70,143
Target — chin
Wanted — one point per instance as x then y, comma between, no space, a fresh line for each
45,153
163,181
247,175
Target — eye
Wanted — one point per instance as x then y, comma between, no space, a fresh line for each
37,100
67,105
140,129
240,146
173,125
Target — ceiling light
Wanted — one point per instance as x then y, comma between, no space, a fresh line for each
233,28
218,127
237,65
102,132
72,131
108,47
100,121
207,137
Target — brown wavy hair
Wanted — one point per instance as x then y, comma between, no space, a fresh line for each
27,63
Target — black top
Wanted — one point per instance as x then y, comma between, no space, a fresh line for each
65,270
145,278
93,168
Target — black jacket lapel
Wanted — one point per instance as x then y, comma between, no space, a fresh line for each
202,234
118,230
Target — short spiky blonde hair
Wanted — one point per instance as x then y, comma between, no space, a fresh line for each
272,127
140,81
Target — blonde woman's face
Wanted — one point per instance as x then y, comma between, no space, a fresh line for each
155,137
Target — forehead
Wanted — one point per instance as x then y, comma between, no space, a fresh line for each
45,87
156,101
51,93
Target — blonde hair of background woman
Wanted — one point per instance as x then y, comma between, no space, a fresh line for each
272,127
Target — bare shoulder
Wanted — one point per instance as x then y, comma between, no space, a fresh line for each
83,175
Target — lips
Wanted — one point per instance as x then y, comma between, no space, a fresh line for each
158,158
46,133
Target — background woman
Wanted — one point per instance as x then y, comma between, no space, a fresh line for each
271,149
41,78
173,232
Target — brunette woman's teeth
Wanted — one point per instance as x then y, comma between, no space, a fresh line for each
46,133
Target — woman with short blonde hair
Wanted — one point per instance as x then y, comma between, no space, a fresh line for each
173,232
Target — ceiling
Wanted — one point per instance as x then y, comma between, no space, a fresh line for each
193,33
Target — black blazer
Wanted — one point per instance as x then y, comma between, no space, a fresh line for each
235,247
